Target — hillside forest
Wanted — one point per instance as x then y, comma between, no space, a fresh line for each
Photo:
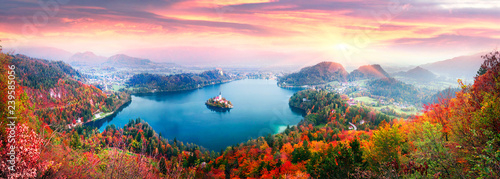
456,137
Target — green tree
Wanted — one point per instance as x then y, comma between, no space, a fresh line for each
388,144
163,165
301,153
430,148
338,162
75,142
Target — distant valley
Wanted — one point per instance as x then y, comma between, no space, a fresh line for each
391,93
464,67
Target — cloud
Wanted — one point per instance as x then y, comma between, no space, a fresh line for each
284,26
125,11
451,41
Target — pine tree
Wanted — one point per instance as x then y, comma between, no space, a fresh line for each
163,165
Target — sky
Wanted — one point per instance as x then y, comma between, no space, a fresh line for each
257,32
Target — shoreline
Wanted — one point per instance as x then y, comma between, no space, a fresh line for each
102,116
114,112
294,87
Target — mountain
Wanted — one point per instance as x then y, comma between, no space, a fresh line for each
458,67
215,56
122,60
86,59
395,68
368,72
320,73
48,53
418,73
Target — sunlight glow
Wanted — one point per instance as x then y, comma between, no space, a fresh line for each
342,46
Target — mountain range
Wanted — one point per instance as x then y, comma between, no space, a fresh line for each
48,53
85,59
325,72
464,67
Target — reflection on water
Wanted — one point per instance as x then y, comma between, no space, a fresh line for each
217,109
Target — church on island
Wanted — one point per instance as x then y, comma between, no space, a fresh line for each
219,102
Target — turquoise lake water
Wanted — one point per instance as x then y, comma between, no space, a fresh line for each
260,108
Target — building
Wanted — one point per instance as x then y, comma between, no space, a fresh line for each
218,98
220,71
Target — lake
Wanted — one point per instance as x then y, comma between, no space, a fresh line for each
260,108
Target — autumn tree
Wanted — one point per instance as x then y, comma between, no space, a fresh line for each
388,144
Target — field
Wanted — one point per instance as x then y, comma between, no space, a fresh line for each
117,87
397,109
367,100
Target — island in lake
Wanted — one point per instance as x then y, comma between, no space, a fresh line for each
219,103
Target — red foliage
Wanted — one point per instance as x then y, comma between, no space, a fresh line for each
21,153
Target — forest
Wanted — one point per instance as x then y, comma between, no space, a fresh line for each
447,93
56,96
145,82
457,137
395,89
39,73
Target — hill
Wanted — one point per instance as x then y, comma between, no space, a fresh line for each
122,60
55,95
39,73
418,73
392,88
458,67
146,82
320,73
86,59
368,72
445,94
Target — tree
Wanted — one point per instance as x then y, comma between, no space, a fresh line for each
388,143
26,148
75,142
491,62
337,162
301,154
109,101
429,148
163,165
